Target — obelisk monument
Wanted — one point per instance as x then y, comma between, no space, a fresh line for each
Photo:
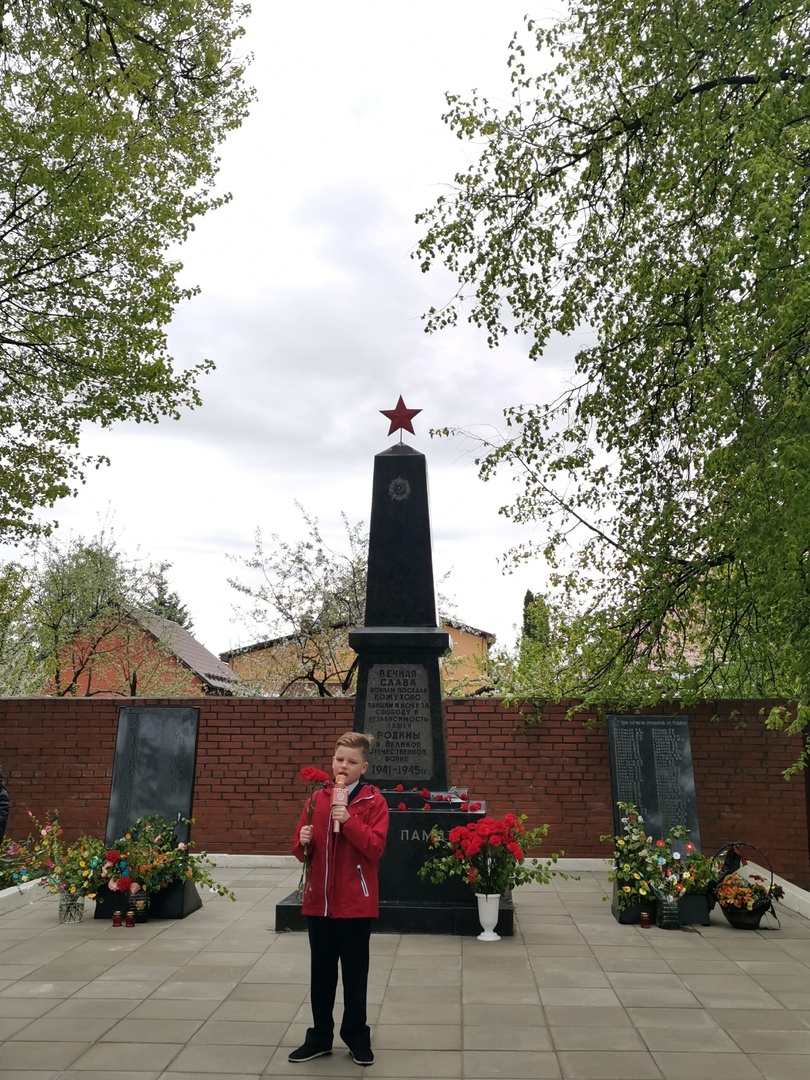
399,696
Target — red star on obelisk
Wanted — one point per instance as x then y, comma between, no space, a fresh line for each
400,418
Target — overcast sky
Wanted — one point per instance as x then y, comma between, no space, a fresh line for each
311,307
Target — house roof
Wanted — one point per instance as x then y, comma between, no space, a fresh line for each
271,642
467,629
214,672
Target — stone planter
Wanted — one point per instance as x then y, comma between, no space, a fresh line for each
632,914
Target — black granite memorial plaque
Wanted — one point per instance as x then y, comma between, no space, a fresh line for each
651,766
399,703
153,771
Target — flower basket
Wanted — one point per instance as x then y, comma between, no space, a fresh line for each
744,900
743,919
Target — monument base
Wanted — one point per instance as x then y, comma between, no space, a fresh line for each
403,917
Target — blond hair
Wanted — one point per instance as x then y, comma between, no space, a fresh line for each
355,740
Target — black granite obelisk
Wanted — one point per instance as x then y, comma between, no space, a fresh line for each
399,697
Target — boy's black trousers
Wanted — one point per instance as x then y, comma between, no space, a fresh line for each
346,941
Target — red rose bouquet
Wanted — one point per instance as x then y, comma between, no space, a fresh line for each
489,855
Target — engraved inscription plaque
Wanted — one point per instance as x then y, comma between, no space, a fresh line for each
651,766
397,715
153,771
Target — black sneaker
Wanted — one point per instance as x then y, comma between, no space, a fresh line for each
307,1052
362,1057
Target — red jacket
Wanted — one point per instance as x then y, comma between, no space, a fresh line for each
341,879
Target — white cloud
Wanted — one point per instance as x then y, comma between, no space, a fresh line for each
310,307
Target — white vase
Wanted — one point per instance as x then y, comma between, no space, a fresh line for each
488,907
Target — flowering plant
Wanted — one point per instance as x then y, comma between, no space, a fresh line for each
489,855
148,857
645,868
740,892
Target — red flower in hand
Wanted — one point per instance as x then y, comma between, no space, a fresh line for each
313,776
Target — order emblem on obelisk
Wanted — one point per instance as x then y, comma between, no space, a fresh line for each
399,488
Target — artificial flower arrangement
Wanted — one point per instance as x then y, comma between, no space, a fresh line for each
489,855
747,892
148,857
646,869
34,857
76,869
13,869
42,856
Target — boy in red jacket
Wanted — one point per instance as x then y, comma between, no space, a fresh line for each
341,897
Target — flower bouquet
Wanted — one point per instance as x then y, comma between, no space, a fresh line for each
26,860
44,857
489,855
148,858
76,869
647,870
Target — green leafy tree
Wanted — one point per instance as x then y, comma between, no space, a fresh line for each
647,191
536,624
20,672
86,597
111,112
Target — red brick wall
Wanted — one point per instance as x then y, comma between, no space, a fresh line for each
58,754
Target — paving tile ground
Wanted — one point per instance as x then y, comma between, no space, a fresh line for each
572,996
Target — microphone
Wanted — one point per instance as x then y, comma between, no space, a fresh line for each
338,798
